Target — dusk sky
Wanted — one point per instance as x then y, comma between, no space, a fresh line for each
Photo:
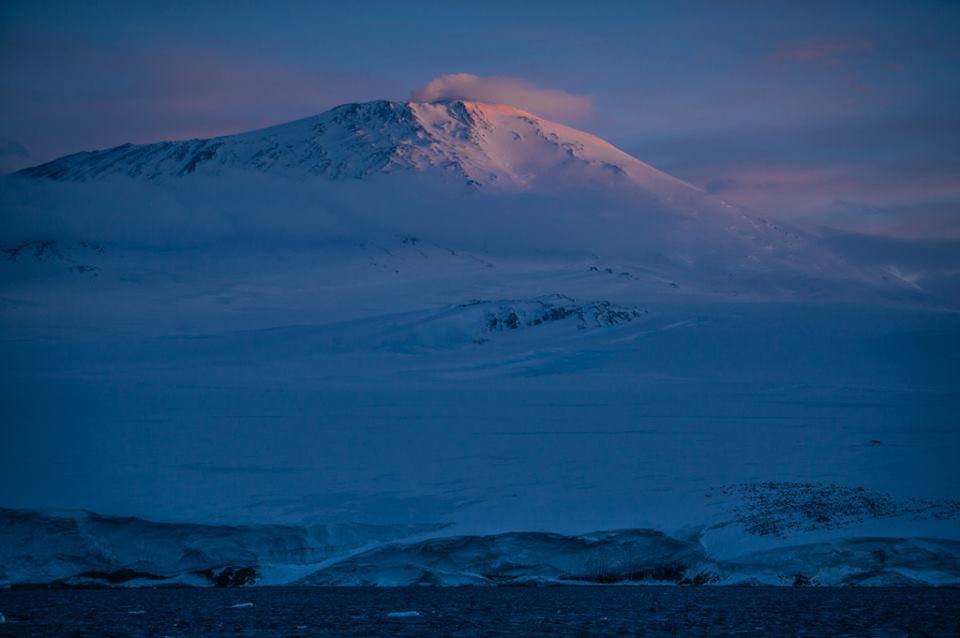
839,114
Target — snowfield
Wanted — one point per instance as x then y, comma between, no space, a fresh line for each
403,343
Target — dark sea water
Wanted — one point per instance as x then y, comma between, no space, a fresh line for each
520,611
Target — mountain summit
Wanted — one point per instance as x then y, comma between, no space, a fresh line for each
488,145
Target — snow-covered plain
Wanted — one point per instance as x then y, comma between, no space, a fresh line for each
461,339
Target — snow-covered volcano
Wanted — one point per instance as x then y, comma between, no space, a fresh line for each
507,173
488,145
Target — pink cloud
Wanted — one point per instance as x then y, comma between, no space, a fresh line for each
551,103
841,196
825,52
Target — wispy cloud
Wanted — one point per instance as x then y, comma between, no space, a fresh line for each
896,174
63,95
550,103
824,51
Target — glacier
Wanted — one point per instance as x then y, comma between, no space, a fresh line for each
82,548
447,343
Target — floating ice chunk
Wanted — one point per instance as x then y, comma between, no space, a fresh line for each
136,612
241,606
403,614
3,619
